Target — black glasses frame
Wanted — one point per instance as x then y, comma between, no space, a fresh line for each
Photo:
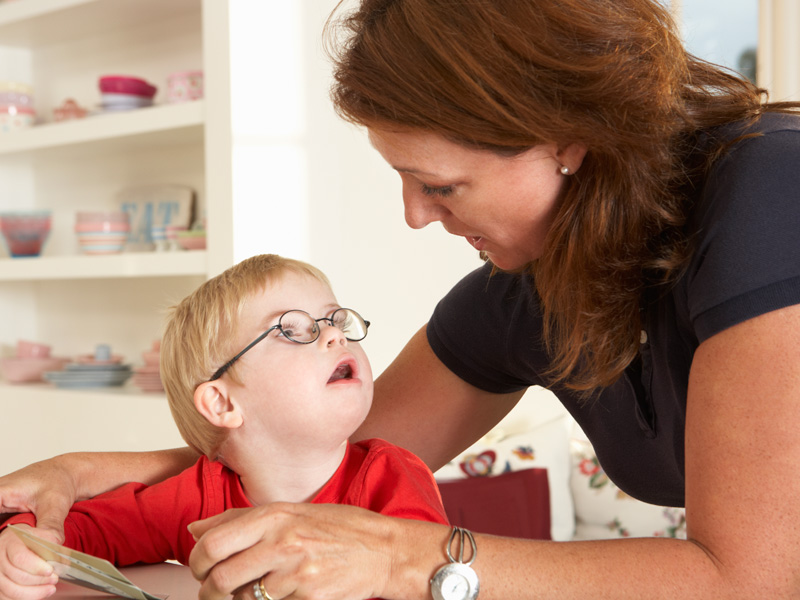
221,371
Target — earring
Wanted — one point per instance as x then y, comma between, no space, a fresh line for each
565,170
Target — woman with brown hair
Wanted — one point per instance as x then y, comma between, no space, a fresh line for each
638,211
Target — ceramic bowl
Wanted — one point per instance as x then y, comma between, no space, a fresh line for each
25,232
16,93
102,232
194,239
184,86
122,84
26,349
29,370
124,101
14,118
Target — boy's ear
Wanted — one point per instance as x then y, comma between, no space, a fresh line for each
213,401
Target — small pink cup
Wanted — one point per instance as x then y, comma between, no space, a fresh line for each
26,349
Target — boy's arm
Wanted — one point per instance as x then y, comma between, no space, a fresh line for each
50,487
399,484
136,523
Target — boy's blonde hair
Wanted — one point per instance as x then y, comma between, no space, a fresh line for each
200,335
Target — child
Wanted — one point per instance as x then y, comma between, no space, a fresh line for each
272,423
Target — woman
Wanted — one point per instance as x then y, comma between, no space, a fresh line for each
638,211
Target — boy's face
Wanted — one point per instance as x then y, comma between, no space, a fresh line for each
300,395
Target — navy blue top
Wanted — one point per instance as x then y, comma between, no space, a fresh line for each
746,261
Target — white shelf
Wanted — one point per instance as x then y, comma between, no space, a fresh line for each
124,265
168,123
48,392
35,23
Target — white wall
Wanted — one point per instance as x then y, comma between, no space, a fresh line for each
391,273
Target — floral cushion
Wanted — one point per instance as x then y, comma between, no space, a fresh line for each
545,446
603,511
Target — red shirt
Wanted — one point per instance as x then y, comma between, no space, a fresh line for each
139,523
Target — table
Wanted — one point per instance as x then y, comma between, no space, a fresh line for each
169,580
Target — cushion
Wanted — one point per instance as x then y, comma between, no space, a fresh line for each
515,504
545,446
603,511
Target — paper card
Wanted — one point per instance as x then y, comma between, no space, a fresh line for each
83,569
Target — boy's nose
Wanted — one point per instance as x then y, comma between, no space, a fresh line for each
329,334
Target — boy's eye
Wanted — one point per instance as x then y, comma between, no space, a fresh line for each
291,330
441,192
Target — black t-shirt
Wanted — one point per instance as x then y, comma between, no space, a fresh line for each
746,262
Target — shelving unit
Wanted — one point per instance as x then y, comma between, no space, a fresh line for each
74,301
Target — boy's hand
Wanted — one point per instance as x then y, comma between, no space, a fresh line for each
23,575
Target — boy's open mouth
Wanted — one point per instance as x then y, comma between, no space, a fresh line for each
343,371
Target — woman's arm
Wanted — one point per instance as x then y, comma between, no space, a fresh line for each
743,517
422,406
50,487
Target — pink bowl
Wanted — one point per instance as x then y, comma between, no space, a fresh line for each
189,240
120,84
25,232
24,370
100,216
102,226
26,349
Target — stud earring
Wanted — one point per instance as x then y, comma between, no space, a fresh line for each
565,170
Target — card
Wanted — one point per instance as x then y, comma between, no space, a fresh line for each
83,569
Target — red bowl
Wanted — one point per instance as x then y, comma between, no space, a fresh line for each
119,84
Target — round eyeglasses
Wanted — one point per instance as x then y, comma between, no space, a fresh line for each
301,328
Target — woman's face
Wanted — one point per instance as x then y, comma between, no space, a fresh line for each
503,206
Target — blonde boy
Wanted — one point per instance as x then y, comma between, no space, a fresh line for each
266,379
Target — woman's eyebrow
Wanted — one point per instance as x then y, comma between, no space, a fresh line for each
413,171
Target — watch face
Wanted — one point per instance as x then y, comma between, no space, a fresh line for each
455,581
455,587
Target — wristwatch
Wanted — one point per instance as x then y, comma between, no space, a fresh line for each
457,580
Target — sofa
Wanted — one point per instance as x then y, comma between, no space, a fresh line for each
535,475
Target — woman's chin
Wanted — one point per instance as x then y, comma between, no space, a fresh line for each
505,263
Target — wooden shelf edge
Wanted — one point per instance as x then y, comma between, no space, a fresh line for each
124,265
113,127
26,391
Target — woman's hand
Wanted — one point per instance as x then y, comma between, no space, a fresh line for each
23,575
305,550
46,489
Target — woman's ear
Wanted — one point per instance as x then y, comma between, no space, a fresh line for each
213,401
572,155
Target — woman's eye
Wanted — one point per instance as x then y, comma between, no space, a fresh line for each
441,192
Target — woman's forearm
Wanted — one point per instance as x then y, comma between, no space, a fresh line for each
98,472
652,568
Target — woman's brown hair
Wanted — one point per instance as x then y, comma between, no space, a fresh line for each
506,75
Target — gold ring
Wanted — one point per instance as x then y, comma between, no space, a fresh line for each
260,592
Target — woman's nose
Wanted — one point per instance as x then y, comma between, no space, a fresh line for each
422,210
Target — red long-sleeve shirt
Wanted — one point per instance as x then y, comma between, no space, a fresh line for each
139,523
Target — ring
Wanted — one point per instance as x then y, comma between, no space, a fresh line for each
260,592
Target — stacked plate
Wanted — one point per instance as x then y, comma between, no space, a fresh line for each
83,375
148,377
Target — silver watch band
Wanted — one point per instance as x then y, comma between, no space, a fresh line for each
457,580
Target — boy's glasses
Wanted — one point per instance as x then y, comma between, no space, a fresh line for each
300,327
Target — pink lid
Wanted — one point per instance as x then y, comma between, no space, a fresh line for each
120,84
